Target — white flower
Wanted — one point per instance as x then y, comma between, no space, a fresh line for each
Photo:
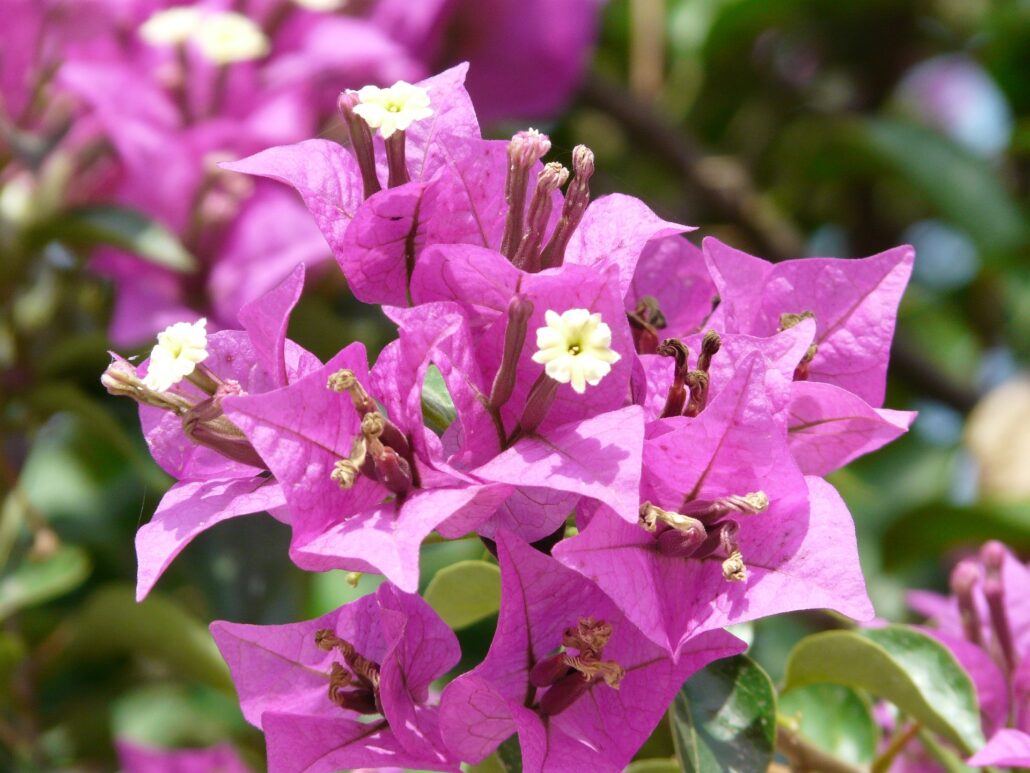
321,5
393,109
172,26
228,37
575,348
179,348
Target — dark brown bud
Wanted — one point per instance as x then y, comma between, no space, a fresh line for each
361,142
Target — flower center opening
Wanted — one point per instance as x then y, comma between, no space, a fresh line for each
568,676
353,686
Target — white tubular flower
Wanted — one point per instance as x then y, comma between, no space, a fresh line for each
179,348
575,348
172,26
321,5
225,38
393,109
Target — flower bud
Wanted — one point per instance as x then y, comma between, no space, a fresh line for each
710,345
676,399
550,179
964,578
524,150
548,671
563,694
520,309
393,471
994,592
361,142
577,198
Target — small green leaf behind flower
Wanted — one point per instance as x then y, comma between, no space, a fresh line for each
126,229
724,718
35,582
465,593
899,664
835,718
437,406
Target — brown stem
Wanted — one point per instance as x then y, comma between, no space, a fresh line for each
884,761
725,182
805,758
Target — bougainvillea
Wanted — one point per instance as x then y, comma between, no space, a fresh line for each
986,625
129,87
634,427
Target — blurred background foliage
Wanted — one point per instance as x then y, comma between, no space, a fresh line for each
786,127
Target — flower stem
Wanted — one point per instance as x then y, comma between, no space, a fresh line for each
884,761
806,758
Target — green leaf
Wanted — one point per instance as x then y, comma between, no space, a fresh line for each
465,593
944,756
909,539
724,718
834,718
437,406
12,653
331,590
960,185
510,754
112,623
899,664
170,715
35,582
54,397
126,229
491,764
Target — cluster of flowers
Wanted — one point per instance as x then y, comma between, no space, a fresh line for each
145,97
556,358
986,625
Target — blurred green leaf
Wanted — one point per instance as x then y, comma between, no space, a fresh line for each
437,406
14,511
58,396
112,623
465,593
132,231
961,186
438,554
510,754
330,590
173,715
724,718
944,756
34,582
12,652
931,530
899,664
834,718
491,764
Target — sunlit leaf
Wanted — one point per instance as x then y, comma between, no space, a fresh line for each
437,406
126,229
465,593
834,718
36,581
899,664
